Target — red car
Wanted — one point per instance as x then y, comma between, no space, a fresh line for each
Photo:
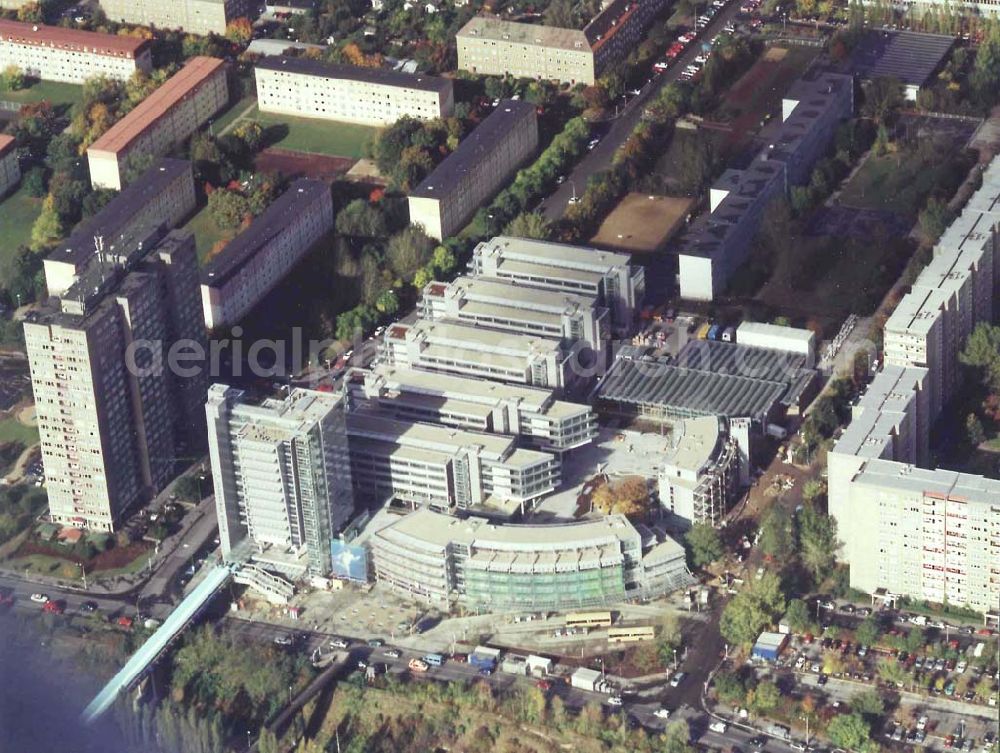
543,685
125,621
54,607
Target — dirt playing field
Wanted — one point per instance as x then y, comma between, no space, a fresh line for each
642,223
303,165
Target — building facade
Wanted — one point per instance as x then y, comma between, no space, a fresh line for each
54,53
372,96
282,476
530,413
441,559
160,122
193,16
444,467
610,277
10,166
163,196
574,319
237,278
448,198
701,477
112,418
471,351
718,242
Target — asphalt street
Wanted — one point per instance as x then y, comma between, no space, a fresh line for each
600,157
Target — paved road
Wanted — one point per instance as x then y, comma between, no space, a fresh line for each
600,158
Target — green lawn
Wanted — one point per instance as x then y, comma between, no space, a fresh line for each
315,136
56,92
224,120
206,233
896,182
17,214
12,430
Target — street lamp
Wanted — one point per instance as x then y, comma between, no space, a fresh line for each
249,743
806,717
83,570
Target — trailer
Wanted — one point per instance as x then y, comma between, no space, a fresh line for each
586,679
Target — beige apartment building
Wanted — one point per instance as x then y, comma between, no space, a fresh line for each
164,119
52,53
111,423
255,261
348,93
10,168
447,198
193,16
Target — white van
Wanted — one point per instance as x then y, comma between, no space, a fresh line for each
719,727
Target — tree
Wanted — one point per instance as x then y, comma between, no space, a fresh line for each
387,303
868,632
849,731
813,490
982,355
974,431
361,219
529,225
408,250
764,698
758,605
696,163
676,737
227,208
817,541
34,182
443,261
934,219
730,688
239,31
704,544
251,134
776,535
797,616
13,78
48,226
869,704
560,13
892,672
629,497
883,96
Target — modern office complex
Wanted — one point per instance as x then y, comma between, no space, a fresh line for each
53,53
530,413
237,278
162,196
10,166
718,242
494,47
927,534
575,319
444,467
473,351
708,466
112,417
617,284
160,122
372,96
447,198
193,16
446,560
282,477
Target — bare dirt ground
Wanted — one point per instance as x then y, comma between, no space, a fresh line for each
642,223
302,165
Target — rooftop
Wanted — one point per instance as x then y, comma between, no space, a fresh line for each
491,290
379,76
534,35
908,56
474,148
881,411
228,262
284,417
939,483
695,442
455,336
550,254
776,331
91,42
109,223
120,136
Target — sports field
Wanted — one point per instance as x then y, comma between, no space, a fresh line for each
642,223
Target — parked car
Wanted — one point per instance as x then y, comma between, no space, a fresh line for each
39,598
376,643
662,713
393,653
417,665
54,607
677,679
339,643
283,640
615,700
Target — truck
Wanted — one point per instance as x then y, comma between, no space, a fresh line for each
918,619
714,331
776,431
485,658
702,332
729,335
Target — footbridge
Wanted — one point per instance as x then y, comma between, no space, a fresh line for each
142,660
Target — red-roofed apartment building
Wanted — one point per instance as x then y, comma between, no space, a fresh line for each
53,53
164,119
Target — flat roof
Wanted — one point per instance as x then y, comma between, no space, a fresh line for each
696,440
378,76
549,253
908,56
776,331
372,425
533,35
244,247
91,42
194,73
469,389
454,335
939,483
477,147
78,249
499,292
881,410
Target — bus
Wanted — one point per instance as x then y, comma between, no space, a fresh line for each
631,634
433,660
588,619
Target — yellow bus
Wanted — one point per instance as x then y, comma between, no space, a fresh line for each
632,634
589,619
702,332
